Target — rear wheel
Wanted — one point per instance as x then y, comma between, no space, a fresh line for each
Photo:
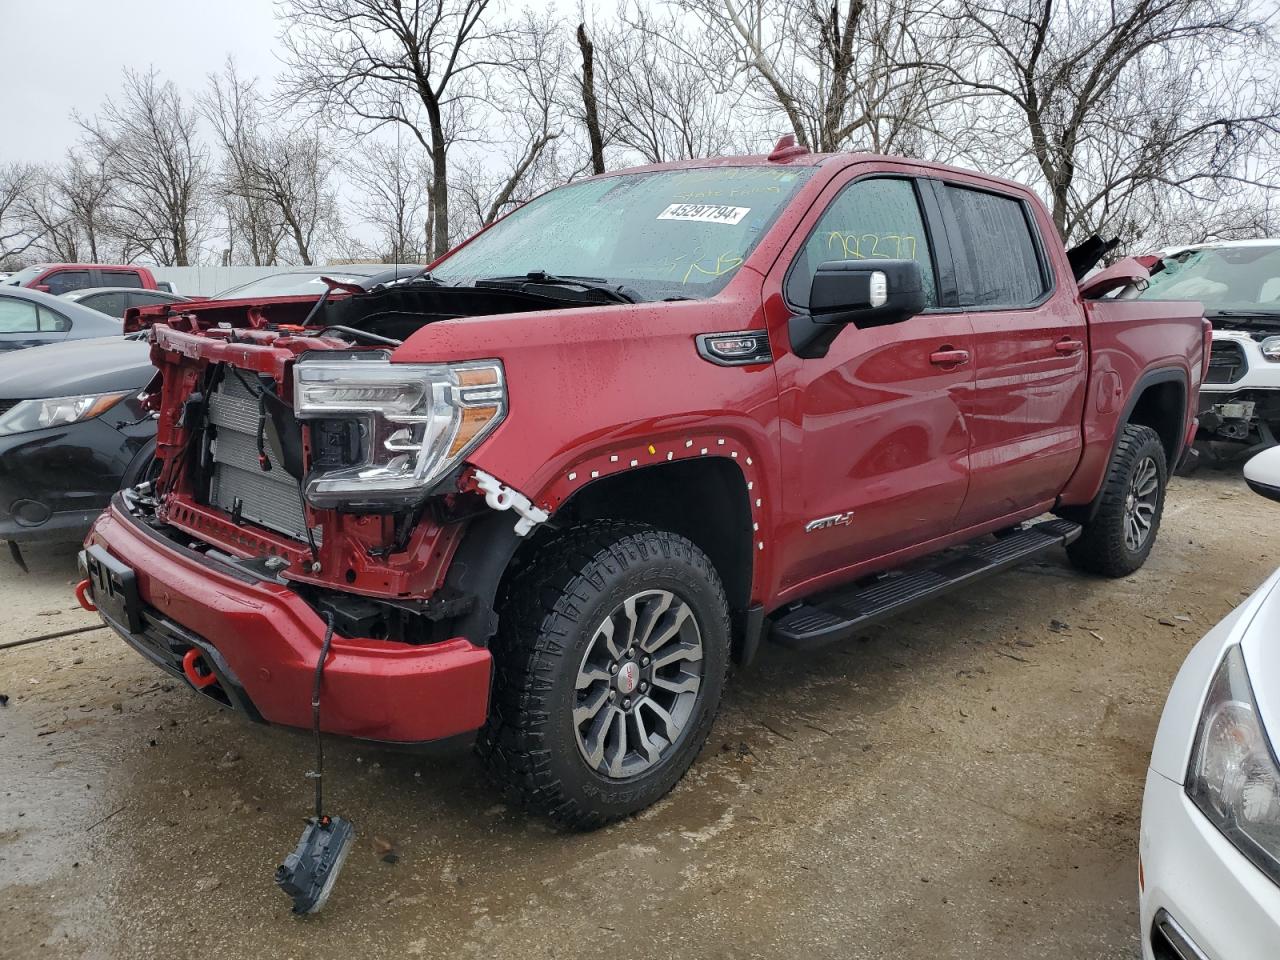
610,658
1118,539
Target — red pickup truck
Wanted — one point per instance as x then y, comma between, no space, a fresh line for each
60,278
549,490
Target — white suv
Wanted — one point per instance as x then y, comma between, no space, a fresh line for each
1239,284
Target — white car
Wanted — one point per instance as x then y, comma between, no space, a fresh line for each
1238,282
1209,854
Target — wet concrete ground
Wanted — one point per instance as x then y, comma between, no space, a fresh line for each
964,781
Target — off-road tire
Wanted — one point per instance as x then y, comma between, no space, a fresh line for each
547,619
1101,548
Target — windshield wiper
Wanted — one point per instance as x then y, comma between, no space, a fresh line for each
1245,314
616,292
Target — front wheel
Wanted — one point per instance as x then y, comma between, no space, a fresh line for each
610,658
1117,540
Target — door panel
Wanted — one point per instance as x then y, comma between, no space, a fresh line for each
879,457
1031,359
883,436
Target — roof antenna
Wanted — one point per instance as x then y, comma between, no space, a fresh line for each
786,148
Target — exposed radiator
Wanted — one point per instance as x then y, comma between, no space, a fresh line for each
270,498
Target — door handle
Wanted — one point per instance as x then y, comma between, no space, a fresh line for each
946,357
1068,346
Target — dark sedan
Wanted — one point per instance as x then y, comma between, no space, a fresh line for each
29,318
72,430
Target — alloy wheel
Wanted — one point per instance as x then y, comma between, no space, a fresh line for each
638,684
1140,503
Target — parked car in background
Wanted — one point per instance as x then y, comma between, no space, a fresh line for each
59,278
1209,867
1239,284
114,301
307,282
29,318
544,494
72,429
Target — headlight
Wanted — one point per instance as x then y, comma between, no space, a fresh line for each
1270,348
29,415
1233,777
412,424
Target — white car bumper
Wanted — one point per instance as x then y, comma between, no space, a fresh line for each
1224,906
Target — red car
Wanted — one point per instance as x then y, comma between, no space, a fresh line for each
60,278
550,489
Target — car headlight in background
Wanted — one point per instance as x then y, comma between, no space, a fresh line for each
29,415
1233,777
1270,348
414,422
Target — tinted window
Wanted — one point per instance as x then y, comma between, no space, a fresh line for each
120,278
997,256
17,316
51,322
112,304
148,297
65,280
876,219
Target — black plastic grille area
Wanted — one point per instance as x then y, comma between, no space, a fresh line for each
7,405
1227,362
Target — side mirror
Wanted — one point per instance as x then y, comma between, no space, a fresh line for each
865,293
1262,474
42,287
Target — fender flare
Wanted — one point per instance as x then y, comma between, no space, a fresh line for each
1148,379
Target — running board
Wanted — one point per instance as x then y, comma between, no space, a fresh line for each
837,615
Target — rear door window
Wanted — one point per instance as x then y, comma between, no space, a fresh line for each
65,280
120,278
112,304
998,258
874,219
18,316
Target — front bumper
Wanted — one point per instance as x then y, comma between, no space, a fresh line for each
1224,906
262,641
53,482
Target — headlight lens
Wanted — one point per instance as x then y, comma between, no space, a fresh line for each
1270,348
30,415
415,422
1233,777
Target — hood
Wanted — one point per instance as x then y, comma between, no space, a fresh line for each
76,367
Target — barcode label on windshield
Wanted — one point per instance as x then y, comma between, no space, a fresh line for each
704,213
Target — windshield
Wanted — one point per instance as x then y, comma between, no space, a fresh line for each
670,233
24,276
288,285
1241,279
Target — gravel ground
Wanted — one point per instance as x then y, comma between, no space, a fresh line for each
964,781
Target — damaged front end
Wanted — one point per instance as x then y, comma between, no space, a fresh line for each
301,448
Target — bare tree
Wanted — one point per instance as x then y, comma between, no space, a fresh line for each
1114,103
411,63
392,182
281,175
18,182
844,73
658,102
146,141
590,107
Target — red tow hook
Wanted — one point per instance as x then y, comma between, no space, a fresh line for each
198,680
82,595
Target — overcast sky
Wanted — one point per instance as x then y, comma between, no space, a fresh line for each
90,42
